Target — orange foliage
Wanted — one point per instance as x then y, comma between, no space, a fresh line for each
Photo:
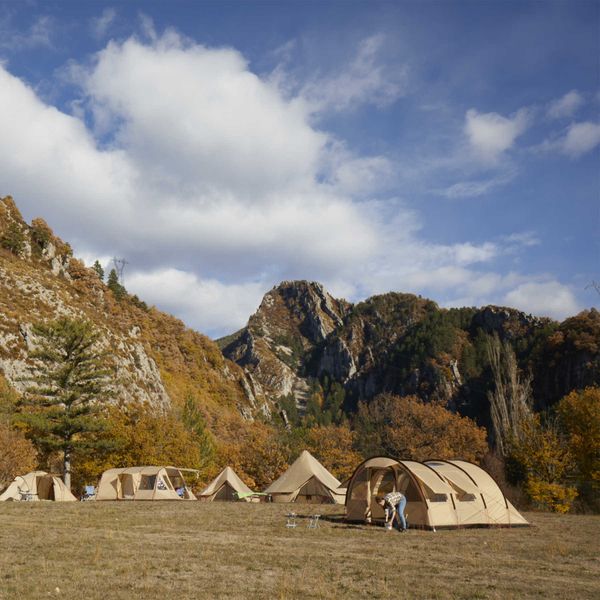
332,445
408,428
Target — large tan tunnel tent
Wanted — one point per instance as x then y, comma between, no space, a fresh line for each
308,481
38,485
439,493
225,486
143,483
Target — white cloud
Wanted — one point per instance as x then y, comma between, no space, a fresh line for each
202,303
580,139
545,298
565,106
491,134
101,24
201,174
479,187
364,81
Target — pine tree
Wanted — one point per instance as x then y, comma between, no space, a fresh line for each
99,270
62,405
113,284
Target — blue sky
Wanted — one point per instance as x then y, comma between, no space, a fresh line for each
446,148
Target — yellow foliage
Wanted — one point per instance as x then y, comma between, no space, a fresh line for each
332,445
17,455
554,496
579,415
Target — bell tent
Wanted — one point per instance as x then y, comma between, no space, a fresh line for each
307,481
226,486
439,494
143,483
38,485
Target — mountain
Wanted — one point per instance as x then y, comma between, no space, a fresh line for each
302,343
158,360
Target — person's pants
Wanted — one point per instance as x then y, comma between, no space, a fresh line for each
400,511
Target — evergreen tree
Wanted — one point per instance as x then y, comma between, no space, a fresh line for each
13,239
113,284
99,270
62,406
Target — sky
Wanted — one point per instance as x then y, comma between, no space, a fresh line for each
448,149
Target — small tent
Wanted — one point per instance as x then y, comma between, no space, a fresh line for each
38,485
143,483
307,480
439,494
226,486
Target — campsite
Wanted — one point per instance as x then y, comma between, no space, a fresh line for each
130,550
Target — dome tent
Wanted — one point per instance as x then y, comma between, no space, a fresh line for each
225,486
439,494
38,485
143,483
308,481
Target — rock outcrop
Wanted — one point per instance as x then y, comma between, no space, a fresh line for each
157,360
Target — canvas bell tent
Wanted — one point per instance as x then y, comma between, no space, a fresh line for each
143,483
439,493
38,485
226,486
308,481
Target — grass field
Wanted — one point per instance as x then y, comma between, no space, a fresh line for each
237,550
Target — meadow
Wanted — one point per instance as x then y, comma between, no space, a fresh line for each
236,550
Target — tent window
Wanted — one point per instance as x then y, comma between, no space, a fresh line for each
147,482
438,498
359,488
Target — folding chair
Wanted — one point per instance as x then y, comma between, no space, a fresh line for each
291,520
313,522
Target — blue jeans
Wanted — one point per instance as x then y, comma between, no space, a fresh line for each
400,510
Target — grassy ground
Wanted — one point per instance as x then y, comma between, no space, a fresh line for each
236,550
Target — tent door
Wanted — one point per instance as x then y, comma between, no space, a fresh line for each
127,486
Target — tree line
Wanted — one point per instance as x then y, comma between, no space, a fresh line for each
68,420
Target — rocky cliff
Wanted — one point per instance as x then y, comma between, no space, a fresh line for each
303,340
157,359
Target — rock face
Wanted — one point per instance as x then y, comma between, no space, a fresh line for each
157,360
292,320
301,340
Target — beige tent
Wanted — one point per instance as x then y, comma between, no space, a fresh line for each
38,485
307,480
439,494
143,483
225,486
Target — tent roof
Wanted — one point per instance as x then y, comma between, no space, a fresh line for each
301,470
227,475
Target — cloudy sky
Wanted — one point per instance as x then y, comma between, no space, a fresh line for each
449,149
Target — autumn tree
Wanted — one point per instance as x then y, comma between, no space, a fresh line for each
540,459
408,428
579,418
332,445
17,454
62,406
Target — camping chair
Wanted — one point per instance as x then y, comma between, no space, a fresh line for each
313,522
291,520
89,493
27,496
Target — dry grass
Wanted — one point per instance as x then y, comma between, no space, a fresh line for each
222,550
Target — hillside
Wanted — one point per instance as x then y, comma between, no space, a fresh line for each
158,360
302,342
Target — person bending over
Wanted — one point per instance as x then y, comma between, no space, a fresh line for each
394,504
